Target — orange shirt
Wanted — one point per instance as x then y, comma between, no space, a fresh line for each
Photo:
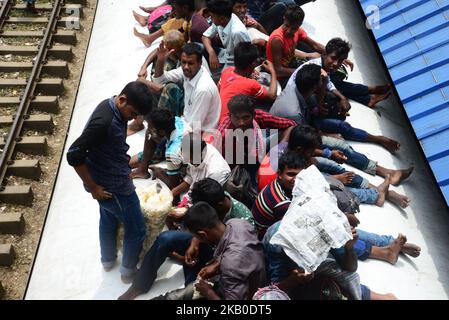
232,84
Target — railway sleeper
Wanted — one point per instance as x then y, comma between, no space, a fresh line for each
54,68
68,8
7,255
21,195
12,223
28,169
61,36
45,86
30,145
38,122
67,22
63,52
48,104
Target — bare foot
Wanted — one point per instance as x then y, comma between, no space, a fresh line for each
383,190
387,296
395,248
400,175
345,178
398,199
177,257
381,89
411,249
144,37
147,9
130,294
127,279
376,98
143,21
389,144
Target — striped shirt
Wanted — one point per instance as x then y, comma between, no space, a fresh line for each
271,205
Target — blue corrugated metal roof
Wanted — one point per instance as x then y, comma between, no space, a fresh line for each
413,38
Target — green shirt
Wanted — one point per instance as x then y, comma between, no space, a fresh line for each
238,210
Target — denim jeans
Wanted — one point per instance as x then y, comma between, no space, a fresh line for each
375,239
366,196
356,92
126,210
339,126
333,168
167,242
355,159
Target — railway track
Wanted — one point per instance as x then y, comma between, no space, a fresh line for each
35,52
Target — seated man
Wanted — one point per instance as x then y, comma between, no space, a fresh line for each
181,244
246,133
200,105
256,31
191,24
203,161
165,132
238,253
290,278
281,46
305,140
231,32
295,103
238,80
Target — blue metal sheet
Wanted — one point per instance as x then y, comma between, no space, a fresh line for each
413,38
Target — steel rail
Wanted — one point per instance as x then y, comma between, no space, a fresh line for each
4,11
25,100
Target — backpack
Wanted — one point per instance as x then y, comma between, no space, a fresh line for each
158,17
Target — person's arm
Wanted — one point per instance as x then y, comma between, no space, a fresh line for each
316,46
273,89
259,27
191,254
153,86
182,187
268,121
208,35
306,55
276,50
296,278
162,53
143,73
149,147
345,106
97,191
206,290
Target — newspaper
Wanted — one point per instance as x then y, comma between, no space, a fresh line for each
313,223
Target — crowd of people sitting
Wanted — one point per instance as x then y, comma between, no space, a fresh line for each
237,99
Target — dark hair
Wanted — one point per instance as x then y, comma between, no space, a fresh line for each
201,216
193,49
305,137
162,119
308,77
339,46
234,2
207,190
188,3
139,96
220,7
241,103
245,53
294,14
291,160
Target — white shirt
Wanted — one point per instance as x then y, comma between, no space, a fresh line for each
201,98
231,35
213,166
318,61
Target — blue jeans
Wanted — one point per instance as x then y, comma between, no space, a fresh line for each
342,127
333,168
353,91
367,196
167,242
126,210
355,159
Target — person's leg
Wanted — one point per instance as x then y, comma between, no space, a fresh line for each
142,20
396,176
148,39
356,92
375,239
172,98
166,243
342,127
136,125
108,232
135,232
348,178
397,199
273,17
389,144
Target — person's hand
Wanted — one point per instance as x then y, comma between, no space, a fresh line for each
299,277
209,271
143,74
355,237
99,193
338,156
323,110
324,75
177,213
345,106
191,255
163,52
204,288
139,174
158,172
213,61
349,64
177,256
268,66
352,219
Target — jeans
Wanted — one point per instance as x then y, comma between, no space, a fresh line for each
366,196
333,168
342,127
356,92
167,242
273,17
126,210
375,239
355,159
